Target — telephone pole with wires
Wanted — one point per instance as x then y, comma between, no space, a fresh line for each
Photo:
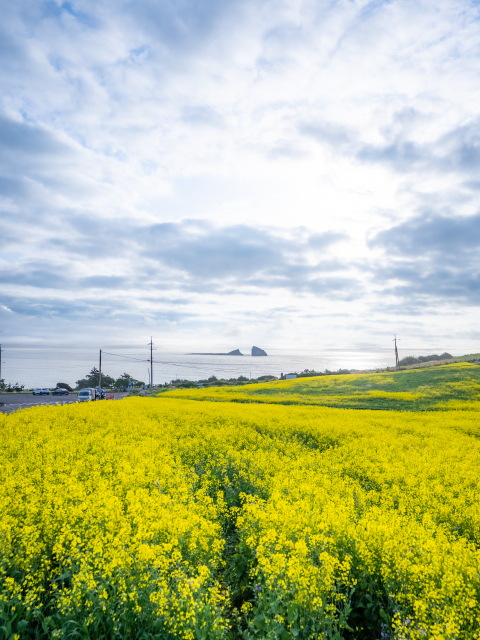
1,362
151,361
396,350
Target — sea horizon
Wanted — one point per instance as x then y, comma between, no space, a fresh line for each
45,366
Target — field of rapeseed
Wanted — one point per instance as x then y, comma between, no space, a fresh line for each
454,386
171,519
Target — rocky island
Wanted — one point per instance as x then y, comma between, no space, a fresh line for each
230,353
258,352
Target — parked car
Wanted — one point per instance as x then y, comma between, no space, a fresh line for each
41,392
60,392
86,395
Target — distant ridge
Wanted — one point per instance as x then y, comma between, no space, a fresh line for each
230,353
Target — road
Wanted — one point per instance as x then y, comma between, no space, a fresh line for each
15,401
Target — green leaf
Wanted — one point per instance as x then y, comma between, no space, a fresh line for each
259,622
276,607
292,613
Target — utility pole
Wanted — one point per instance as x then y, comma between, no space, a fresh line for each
396,350
0,361
151,361
100,371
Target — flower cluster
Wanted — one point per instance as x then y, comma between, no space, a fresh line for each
196,520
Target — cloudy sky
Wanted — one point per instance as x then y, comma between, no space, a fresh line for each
223,172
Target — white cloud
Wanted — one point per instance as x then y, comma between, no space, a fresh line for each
340,118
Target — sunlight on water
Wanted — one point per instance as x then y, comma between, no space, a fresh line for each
38,366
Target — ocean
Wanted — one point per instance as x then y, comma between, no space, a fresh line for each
46,366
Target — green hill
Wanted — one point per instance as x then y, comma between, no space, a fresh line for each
454,386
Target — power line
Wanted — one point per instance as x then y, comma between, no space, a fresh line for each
118,355
207,368
189,366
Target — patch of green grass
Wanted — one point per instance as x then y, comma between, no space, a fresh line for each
469,357
455,386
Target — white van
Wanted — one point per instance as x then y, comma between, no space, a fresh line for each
84,395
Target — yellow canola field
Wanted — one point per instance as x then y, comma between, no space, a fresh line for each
449,387
179,519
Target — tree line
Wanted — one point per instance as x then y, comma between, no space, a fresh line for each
6,386
413,360
92,379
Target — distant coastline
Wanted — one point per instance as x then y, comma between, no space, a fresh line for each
236,352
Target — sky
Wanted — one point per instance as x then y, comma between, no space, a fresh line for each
289,174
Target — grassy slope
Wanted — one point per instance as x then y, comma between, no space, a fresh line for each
454,386
470,357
